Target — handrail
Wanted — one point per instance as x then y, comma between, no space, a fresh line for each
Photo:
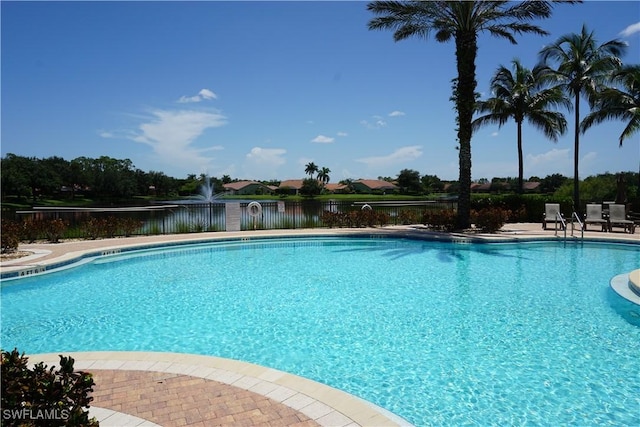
575,215
564,224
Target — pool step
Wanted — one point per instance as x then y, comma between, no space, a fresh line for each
634,281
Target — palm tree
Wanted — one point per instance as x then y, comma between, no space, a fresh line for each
522,95
461,21
618,103
323,175
583,67
310,169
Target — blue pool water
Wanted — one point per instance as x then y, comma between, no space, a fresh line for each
438,333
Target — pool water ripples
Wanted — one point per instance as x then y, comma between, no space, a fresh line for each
438,333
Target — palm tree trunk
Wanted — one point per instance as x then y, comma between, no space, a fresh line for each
466,50
576,156
520,162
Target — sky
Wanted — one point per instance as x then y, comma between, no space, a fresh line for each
257,90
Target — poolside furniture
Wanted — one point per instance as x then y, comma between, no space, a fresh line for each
594,216
551,211
618,218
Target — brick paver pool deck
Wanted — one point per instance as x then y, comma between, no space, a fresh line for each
170,389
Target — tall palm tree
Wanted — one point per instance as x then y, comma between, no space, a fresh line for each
323,175
524,94
461,21
621,102
583,67
310,169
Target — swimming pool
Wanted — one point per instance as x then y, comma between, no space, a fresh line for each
439,333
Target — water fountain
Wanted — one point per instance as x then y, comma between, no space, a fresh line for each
207,190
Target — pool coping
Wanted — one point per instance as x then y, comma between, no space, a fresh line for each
50,256
325,405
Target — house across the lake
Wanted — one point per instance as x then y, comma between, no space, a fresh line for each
248,187
373,186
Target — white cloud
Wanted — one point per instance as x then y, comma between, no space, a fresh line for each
262,163
553,161
343,134
106,134
171,134
204,94
550,156
396,113
495,133
377,123
630,30
321,139
401,155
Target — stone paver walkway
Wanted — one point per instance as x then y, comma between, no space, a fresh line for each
183,400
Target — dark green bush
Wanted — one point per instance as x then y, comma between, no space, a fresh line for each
490,219
524,207
44,396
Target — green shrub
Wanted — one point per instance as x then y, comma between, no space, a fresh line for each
10,235
44,396
490,219
442,219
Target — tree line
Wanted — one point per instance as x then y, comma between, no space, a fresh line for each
106,179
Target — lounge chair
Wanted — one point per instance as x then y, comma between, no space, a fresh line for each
551,211
618,218
594,216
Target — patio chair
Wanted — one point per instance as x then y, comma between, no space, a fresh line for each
594,216
618,218
551,210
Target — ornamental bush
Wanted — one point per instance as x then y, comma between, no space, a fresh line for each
490,220
442,220
44,396
10,235
55,229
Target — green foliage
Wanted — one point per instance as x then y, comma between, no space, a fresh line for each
310,187
10,235
490,219
44,396
523,207
409,181
355,218
441,219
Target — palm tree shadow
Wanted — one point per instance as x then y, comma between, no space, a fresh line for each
446,254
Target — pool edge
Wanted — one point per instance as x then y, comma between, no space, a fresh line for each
245,375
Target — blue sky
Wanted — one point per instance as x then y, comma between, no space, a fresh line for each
256,90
